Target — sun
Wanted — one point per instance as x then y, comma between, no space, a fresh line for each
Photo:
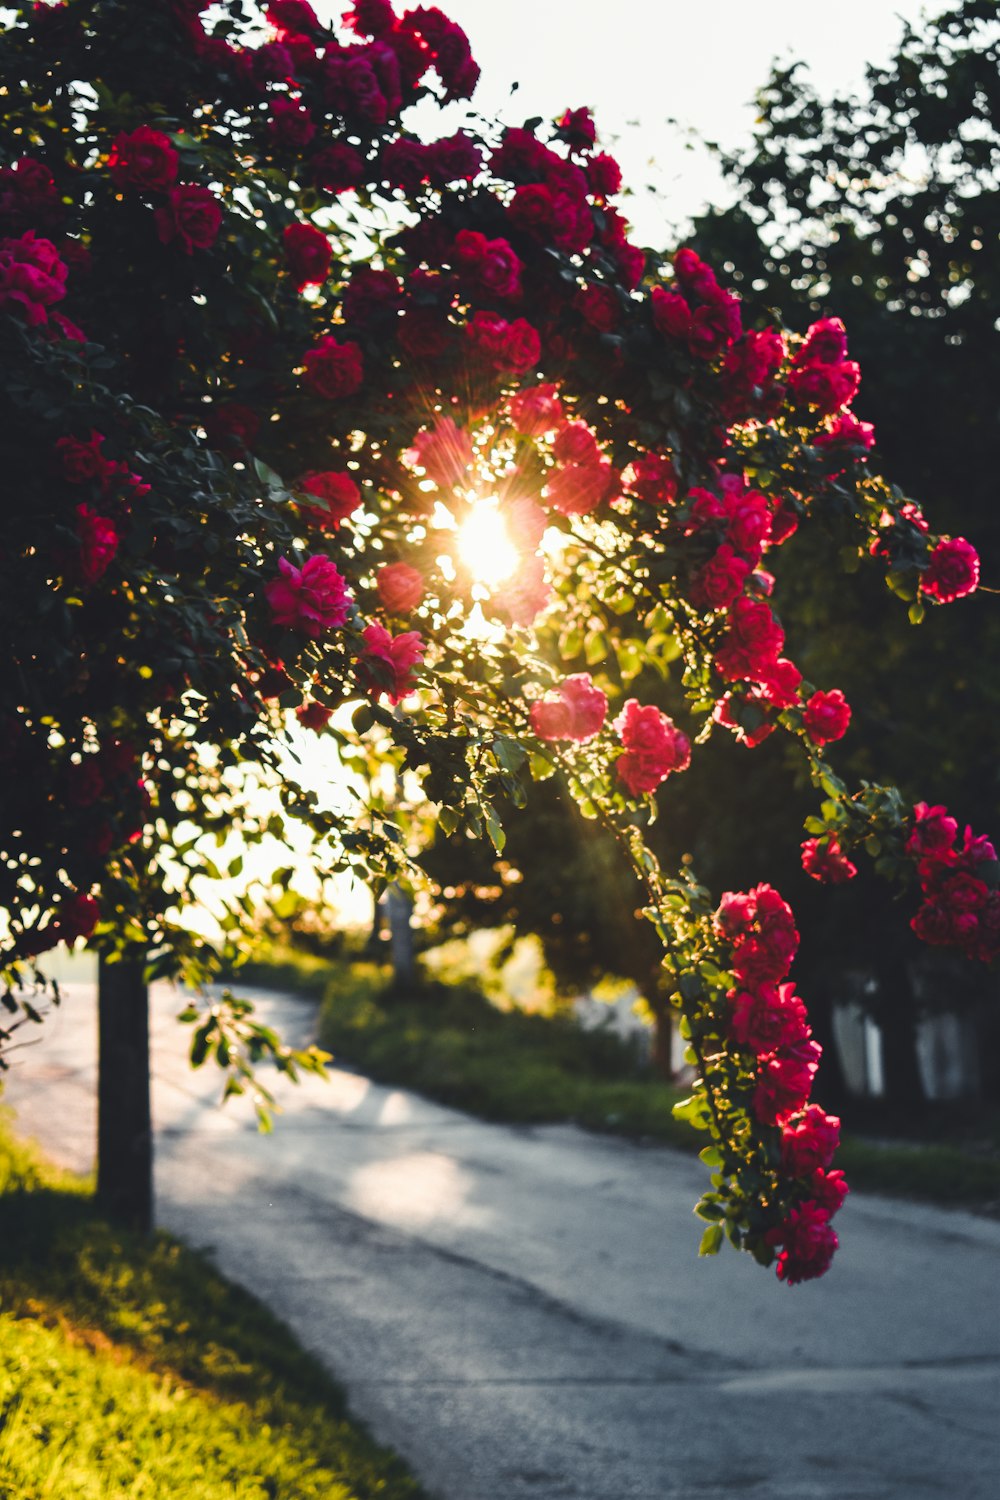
484,546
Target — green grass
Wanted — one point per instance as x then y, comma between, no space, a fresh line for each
451,1044
130,1368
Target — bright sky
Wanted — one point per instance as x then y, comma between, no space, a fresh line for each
639,64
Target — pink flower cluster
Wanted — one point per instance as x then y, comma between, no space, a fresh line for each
576,710
409,164
961,907
767,1019
32,277
583,477
822,375
700,314
653,748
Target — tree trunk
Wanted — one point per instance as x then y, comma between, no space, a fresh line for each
124,1123
400,910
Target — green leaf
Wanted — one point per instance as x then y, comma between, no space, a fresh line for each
711,1240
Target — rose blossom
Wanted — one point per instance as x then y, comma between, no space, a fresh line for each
575,710
192,214
334,370
339,493
444,452
654,748
514,347
313,715
825,861
76,917
32,277
527,593
290,124
767,1018
826,717
83,461
783,1087
577,489
828,1189
144,160
808,1141
953,571
400,587
491,263
395,657
311,598
307,255
536,410
98,538
809,1241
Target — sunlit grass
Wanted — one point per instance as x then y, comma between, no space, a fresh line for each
129,1368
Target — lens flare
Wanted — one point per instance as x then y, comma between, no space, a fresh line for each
484,546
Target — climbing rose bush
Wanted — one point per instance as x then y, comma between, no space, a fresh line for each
250,444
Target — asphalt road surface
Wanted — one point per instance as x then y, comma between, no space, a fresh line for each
521,1311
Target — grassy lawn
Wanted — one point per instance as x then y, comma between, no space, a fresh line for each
449,1043
130,1370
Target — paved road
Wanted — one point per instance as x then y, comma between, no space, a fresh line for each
521,1312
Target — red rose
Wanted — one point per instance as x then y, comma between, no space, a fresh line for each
577,489
310,598
339,494
652,479
313,715
953,571
491,263
598,306
574,711
307,254
76,917
536,410
98,540
827,387
809,1240
144,160
444,452
653,748
82,462
400,588
604,175
336,168
575,443
752,643
766,1018
455,158
783,1087
231,425
722,579
32,277
826,717
825,861
825,343
192,215
334,370
389,662
808,1141
290,124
